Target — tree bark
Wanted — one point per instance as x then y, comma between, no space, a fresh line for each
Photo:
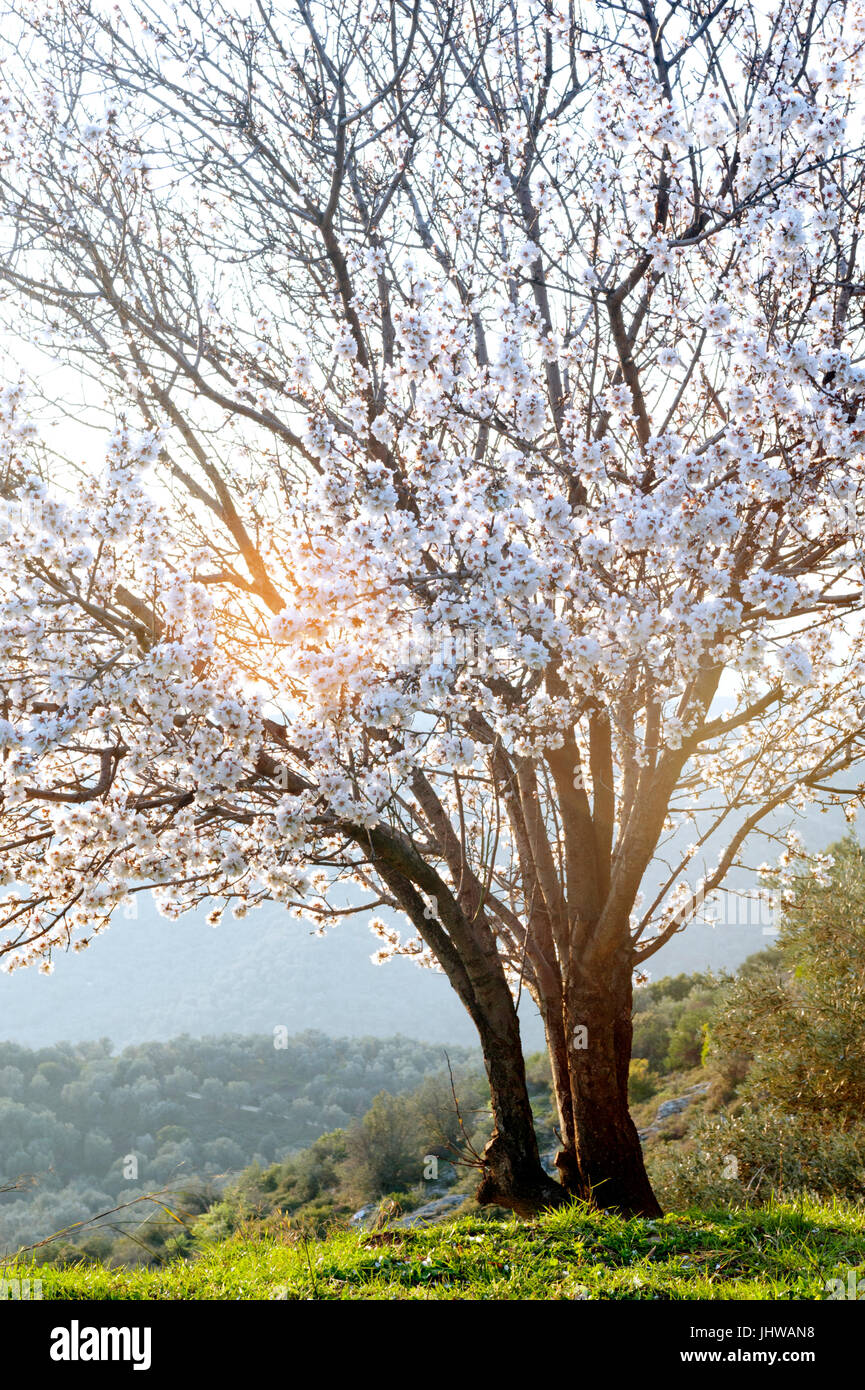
610,1171
512,1173
601,1158
513,1176
557,1047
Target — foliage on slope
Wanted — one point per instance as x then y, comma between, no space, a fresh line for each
187,1113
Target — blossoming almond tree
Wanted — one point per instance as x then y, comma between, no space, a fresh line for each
480,518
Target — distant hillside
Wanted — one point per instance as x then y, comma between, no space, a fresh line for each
152,979
82,1130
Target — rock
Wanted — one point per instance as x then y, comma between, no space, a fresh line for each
673,1107
431,1211
364,1214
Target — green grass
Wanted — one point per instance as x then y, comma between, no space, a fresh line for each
783,1251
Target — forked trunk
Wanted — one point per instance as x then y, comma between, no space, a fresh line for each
601,1159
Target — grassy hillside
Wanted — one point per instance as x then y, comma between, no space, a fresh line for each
748,1094
786,1251
710,1141
83,1129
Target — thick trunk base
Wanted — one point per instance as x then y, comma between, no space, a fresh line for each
517,1181
605,1166
623,1188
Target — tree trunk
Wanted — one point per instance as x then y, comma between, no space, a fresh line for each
600,1159
513,1176
557,1047
610,1171
589,1041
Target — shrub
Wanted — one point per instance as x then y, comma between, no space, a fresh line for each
743,1157
642,1082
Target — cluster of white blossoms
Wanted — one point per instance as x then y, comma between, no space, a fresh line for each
643,507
